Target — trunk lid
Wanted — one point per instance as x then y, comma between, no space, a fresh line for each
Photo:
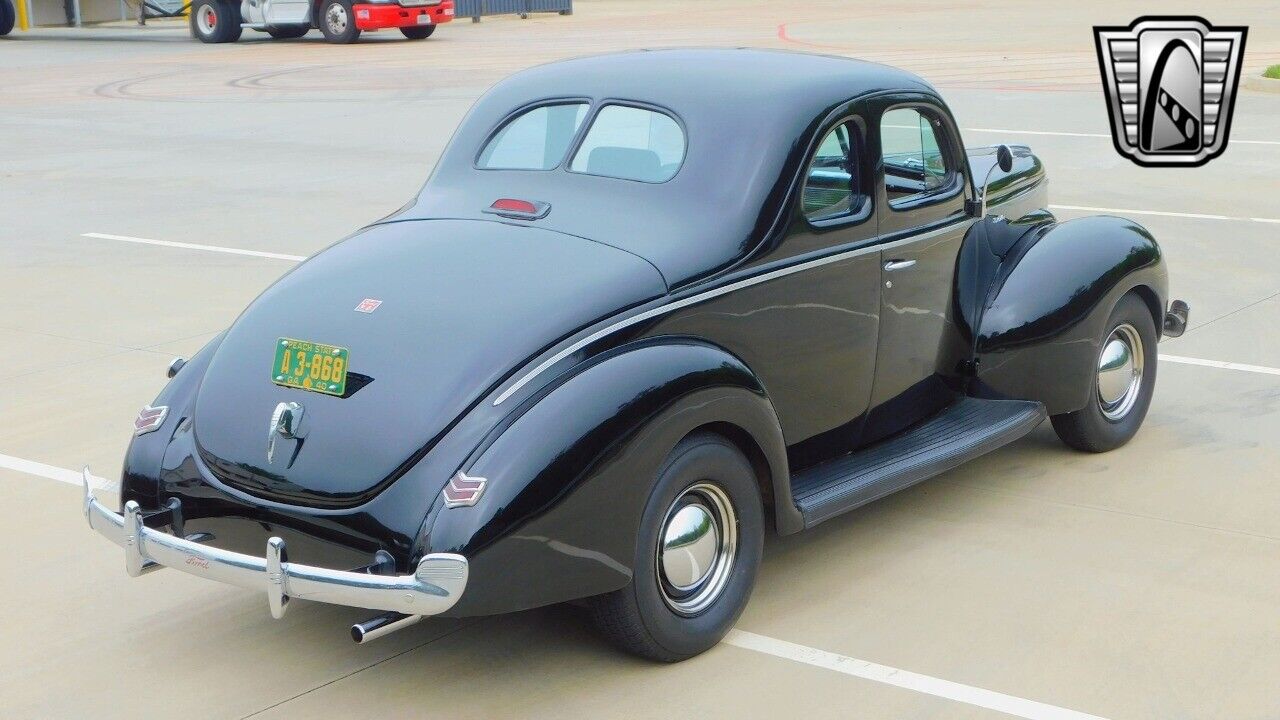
463,303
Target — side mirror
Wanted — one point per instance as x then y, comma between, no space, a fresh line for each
1004,161
1004,158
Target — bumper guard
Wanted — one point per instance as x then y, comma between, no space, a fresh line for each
433,588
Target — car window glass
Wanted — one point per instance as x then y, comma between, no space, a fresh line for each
534,140
913,161
632,144
832,187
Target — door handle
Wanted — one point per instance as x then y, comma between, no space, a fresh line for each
892,265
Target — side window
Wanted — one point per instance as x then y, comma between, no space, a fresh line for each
914,164
536,139
632,144
832,185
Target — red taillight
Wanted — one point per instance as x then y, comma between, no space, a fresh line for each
521,209
511,205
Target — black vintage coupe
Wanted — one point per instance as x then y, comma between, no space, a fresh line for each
648,307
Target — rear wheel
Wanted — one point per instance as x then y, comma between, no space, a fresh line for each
215,21
418,32
287,32
1122,384
697,553
338,21
8,14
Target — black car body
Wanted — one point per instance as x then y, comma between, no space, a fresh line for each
557,332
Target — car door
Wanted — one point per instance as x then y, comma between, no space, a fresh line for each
824,345
921,192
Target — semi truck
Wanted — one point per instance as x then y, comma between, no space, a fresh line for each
341,21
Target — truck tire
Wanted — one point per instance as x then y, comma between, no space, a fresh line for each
699,546
338,21
287,32
215,21
8,14
418,32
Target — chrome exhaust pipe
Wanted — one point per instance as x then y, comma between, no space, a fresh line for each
384,624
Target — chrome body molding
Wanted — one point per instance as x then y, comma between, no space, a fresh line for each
433,588
707,295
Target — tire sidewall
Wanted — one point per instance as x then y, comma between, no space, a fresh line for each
1132,310
706,459
196,9
347,36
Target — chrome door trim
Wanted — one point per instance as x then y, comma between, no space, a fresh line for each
714,293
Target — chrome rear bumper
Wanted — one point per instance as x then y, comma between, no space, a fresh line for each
433,588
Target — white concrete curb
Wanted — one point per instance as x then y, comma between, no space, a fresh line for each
1255,81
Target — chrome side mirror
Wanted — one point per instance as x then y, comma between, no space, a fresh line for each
1004,161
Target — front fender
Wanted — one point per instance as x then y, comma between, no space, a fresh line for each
568,479
1038,336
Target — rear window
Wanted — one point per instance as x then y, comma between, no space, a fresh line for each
631,143
537,139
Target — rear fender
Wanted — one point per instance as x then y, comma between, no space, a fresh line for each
1039,332
567,481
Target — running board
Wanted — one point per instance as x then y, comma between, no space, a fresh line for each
963,431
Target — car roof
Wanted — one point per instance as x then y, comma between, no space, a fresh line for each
702,76
745,113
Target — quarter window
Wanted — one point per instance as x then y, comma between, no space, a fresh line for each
534,140
632,144
914,165
832,186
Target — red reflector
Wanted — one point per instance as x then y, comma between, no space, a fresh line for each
510,205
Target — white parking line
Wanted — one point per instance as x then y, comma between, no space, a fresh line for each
31,467
1220,364
193,246
1164,213
1096,135
1008,704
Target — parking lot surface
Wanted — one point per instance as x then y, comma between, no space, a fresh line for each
1036,582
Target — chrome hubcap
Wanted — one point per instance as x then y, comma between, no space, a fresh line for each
696,548
1120,372
336,18
208,19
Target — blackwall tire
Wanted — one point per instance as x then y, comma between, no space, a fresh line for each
1118,399
674,609
337,21
418,32
215,21
8,16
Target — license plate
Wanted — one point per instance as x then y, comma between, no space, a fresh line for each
424,19
310,366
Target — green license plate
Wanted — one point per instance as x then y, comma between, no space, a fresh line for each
310,366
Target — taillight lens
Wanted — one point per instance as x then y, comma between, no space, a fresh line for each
149,418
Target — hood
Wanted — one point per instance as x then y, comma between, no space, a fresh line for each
463,304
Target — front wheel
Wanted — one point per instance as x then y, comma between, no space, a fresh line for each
418,32
1121,385
215,21
338,21
697,553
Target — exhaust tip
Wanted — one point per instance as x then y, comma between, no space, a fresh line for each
384,624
